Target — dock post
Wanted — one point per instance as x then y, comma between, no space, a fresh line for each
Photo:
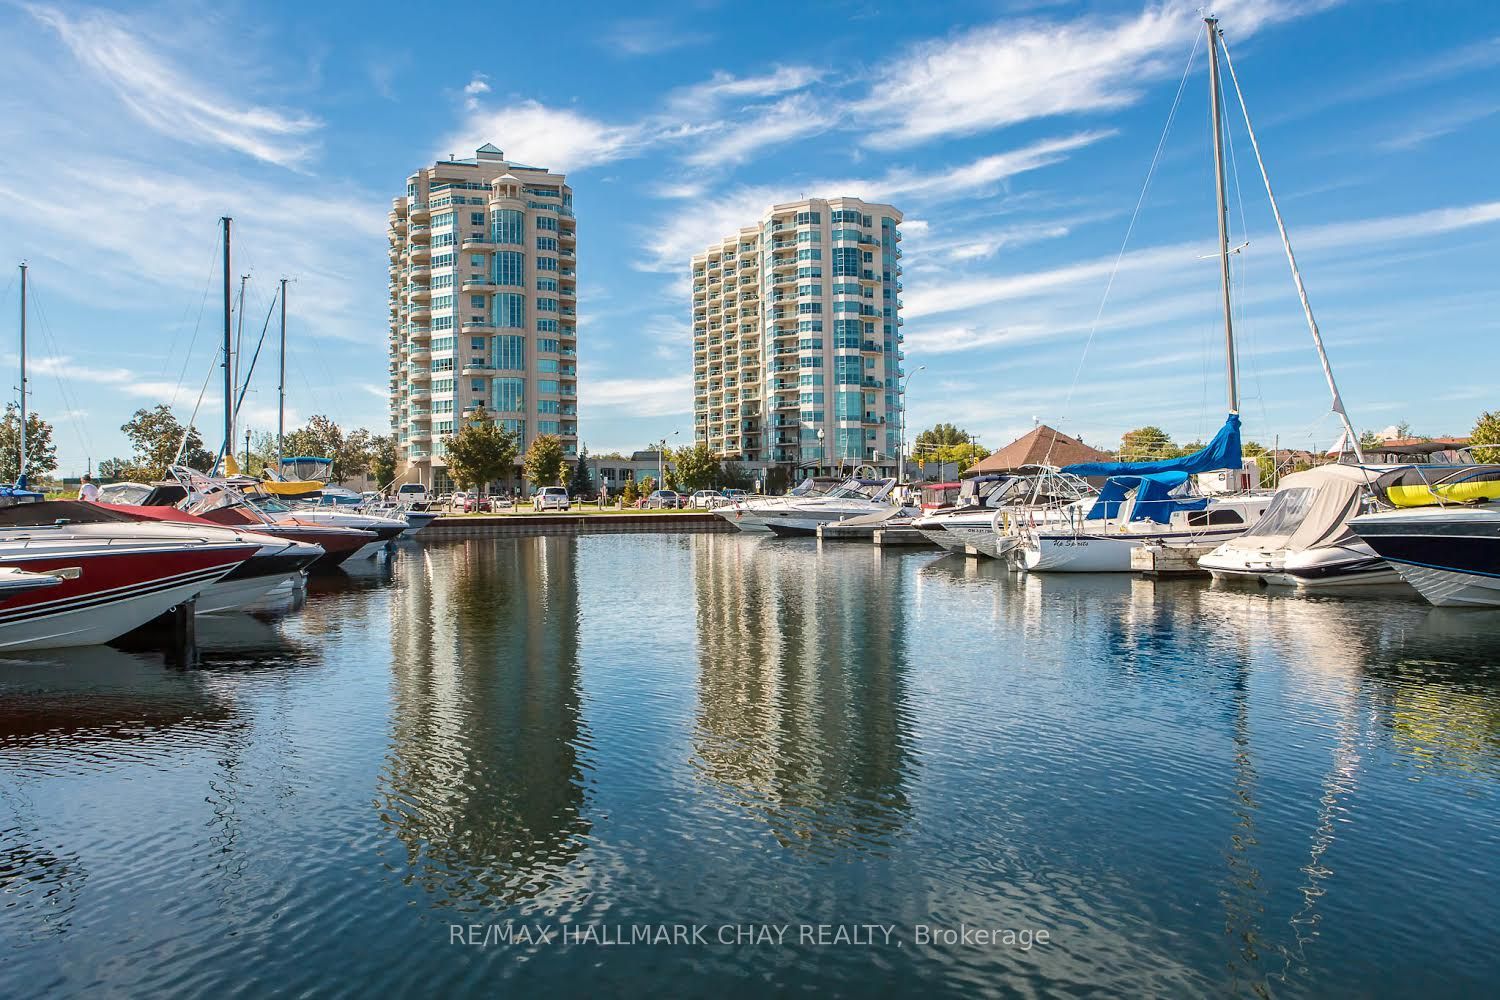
185,633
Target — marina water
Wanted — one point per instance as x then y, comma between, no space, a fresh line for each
425,774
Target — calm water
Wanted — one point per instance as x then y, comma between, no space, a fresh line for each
1191,790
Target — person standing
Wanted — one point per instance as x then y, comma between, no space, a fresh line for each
87,490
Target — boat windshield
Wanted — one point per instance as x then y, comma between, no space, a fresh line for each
806,488
1288,509
863,489
306,469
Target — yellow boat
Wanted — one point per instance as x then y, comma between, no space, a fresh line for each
276,487
1479,486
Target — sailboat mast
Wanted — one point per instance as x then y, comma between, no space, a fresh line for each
21,469
281,383
1212,24
228,347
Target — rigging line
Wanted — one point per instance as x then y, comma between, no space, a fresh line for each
187,359
177,327
1129,230
1244,267
68,399
250,372
1291,259
187,430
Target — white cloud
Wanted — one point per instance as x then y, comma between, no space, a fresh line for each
1016,71
476,86
649,37
170,100
643,397
790,118
723,87
559,139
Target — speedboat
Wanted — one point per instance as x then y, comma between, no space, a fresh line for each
1130,511
1002,505
852,499
385,529
1451,555
745,513
112,578
15,582
1306,538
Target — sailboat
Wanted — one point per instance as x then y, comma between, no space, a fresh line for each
1152,501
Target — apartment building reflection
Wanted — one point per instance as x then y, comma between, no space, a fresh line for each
803,701
482,785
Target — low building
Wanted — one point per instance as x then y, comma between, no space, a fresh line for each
615,471
1042,445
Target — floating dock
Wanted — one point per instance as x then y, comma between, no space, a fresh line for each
1169,560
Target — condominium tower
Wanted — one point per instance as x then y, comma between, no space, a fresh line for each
797,340
484,301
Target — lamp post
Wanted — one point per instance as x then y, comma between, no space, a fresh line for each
661,461
901,456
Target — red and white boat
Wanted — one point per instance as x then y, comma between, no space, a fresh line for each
108,582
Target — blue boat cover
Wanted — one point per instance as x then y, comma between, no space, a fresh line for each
1153,497
1223,452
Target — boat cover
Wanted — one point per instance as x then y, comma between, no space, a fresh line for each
1313,508
1474,485
1153,497
1223,452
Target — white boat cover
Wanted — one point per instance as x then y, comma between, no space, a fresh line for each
1312,509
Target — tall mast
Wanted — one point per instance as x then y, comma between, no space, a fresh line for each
1291,259
228,348
1212,24
281,383
21,469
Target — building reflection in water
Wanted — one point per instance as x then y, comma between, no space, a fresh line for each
803,703
483,785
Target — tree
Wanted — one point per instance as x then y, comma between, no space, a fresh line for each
581,483
648,486
544,461
1486,437
962,454
697,467
384,458
734,476
41,454
116,468
939,436
156,435
777,481
629,495
1145,444
482,451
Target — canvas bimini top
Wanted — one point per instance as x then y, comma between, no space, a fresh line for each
1154,499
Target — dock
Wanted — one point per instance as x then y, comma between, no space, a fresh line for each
1169,560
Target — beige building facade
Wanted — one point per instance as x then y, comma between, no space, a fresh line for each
797,359
483,306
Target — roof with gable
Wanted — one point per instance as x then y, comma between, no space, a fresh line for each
1042,445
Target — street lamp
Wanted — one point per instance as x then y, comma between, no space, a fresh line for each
901,457
661,461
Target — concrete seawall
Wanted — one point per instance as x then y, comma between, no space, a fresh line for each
573,524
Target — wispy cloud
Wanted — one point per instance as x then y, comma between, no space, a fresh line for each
643,397
1016,71
1443,122
557,138
724,87
790,118
649,37
172,101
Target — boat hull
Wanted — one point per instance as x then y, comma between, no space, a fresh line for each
1084,553
1451,556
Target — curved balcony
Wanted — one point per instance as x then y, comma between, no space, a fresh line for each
421,312
477,244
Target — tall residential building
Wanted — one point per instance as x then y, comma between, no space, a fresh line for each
797,340
484,301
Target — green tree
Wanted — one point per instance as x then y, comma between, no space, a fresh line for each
1145,444
777,481
1486,437
482,451
581,482
544,461
939,436
962,454
384,458
155,434
697,467
629,495
647,486
116,468
41,454
734,476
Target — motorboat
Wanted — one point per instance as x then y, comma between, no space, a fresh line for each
1306,538
339,499
1131,511
112,578
985,517
745,514
802,516
15,582
1449,553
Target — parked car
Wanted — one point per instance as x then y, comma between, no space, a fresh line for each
444,500
411,493
476,504
665,500
458,499
503,503
550,498
706,499
736,496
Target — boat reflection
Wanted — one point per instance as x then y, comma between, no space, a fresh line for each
803,709
482,784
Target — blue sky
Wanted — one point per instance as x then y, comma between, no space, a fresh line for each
1015,136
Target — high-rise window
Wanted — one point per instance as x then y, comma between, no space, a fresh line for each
509,268
508,225
510,395
510,353
546,243
510,310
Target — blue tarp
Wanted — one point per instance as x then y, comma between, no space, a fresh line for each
1223,452
1153,499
